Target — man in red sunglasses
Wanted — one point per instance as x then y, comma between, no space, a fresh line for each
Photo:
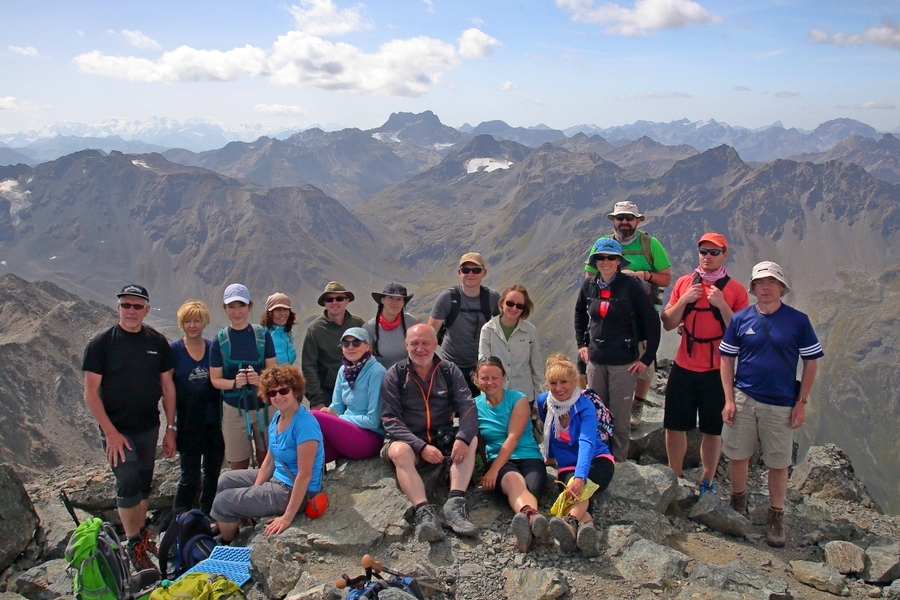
702,304
649,263
321,356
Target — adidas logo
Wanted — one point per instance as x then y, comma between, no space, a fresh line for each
750,331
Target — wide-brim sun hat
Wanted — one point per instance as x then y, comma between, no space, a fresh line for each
625,208
767,268
334,287
394,290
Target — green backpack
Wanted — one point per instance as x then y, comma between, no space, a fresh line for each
100,563
199,586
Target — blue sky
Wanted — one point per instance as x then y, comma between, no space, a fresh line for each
561,63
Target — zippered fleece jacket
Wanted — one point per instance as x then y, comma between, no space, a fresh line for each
415,416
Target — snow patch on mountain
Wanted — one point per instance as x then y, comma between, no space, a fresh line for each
17,197
476,165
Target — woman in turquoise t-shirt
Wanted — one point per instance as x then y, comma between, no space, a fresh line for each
515,467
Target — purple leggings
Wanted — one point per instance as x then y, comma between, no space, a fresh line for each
343,438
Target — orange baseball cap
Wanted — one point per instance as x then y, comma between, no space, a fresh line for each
716,238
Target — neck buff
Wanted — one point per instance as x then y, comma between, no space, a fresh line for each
625,241
556,409
351,371
711,277
389,326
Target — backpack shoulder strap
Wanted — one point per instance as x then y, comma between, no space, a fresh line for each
165,547
260,332
487,310
448,376
455,299
224,344
645,247
402,370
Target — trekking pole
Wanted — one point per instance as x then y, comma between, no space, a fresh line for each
65,500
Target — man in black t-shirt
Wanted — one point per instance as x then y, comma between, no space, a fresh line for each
127,368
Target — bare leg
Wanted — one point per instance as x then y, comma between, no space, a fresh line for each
778,482
460,474
641,388
513,485
710,450
134,518
240,464
580,511
739,470
229,530
404,459
676,448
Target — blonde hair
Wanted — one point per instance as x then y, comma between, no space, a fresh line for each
193,309
559,366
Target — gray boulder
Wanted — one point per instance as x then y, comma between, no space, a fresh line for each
57,526
46,581
650,564
890,593
826,472
737,576
841,529
309,588
620,537
648,442
693,592
96,494
718,516
18,520
275,565
845,557
11,596
650,524
651,486
883,564
535,584
820,576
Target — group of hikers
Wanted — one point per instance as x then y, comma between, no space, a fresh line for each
468,382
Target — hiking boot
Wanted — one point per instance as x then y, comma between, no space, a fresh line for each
457,514
139,557
427,527
588,540
708,486
147,538
775,528
637,409
563,530
521,529
739,502
539,524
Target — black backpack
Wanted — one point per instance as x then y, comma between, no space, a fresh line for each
188,540
690,307
455,297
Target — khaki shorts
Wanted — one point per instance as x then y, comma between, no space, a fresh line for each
234,430
768,423
650,372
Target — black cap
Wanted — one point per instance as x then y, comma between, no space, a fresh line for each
132,289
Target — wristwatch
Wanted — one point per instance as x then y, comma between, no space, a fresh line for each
802,400
172,427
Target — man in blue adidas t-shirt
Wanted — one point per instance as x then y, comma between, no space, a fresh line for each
761,399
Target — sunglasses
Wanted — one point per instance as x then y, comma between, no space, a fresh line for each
512,304
335,298
628,218
127,305
609,257
467,270
284,391
711,251
354,342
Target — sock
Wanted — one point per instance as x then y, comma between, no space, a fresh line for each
135,539
457,493
641,400
525,509
420,505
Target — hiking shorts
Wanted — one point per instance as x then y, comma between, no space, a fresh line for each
532,470
770,423
237,497
234,429
134,475
690,394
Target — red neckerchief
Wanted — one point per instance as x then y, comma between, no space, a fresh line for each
389,326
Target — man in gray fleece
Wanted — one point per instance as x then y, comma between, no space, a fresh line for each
420,398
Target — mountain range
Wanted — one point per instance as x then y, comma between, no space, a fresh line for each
89,222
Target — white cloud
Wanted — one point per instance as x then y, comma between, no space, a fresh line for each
399,67
872,104
507,86
784,94
303,57
24,51
887,35
322,18
477,21
182,64
474,43
429,5
647,16
139,40
656,96
8,103
279,109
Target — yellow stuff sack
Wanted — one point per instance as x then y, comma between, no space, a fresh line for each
199,586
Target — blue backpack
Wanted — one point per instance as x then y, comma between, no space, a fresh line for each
188,540
377,585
